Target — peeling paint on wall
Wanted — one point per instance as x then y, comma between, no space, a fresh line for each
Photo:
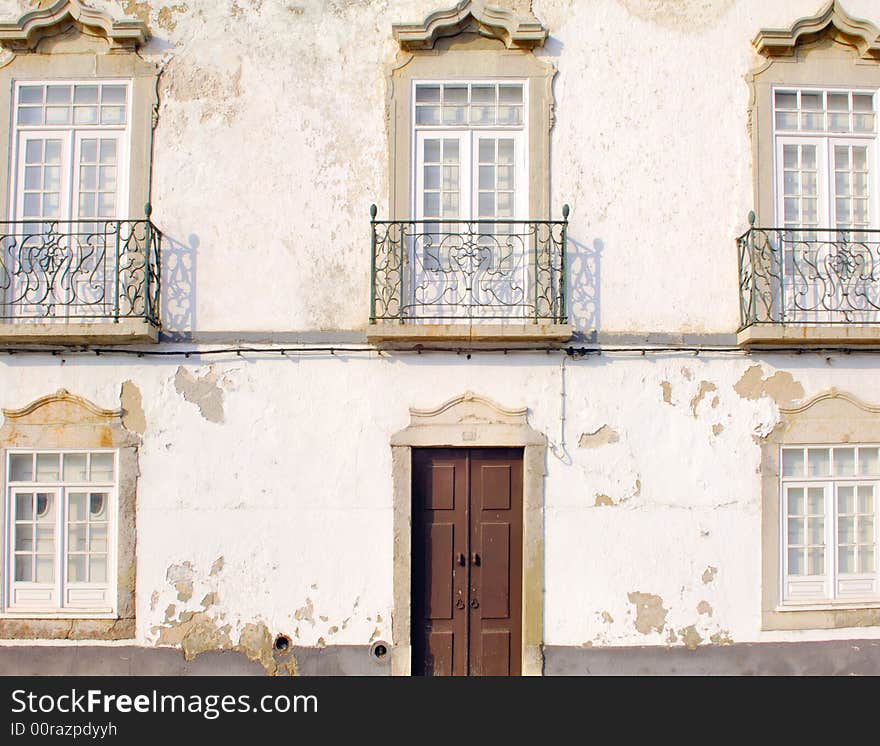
202,391
133,417
781,386
598,438
650,614
690,637
680,15
667,391
706,387
709,574
704,608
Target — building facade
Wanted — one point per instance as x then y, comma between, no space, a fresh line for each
361,337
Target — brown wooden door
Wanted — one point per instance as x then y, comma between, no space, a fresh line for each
467,561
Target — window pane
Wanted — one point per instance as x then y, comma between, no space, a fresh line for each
866,500
845,462
98,538
450,151
30,115
30,94
510,94
45,569
427,115
785,100
796,501
793,462
76,537
816,561
817,532
85,114
427,93
846,531
112,115
796,564
483,94
816,501
846,559
846,499
838,102
24,507
45,539
866,560
57,115
796,531
85,94
47,467
76,568
24,537
45,507
487,150
818,462
23,568
76,506
114,94
98,569
75,467
22,467
432,151
432,177
866,530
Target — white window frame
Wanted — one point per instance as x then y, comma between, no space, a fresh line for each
824,155
831,596
474,130
73,134
60,610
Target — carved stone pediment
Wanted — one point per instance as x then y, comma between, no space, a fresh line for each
832,19
31,28
472,16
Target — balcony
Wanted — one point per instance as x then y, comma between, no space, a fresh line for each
79,281
802,286
473,280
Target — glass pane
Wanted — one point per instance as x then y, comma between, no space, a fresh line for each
98,569
866,530
796,501
510,94
58,115
32,177
76,537
432,151
74,467
45,569
52,178
793,462
796,531
88,177
816,500
45,539
846,531
487,150
796,564
51,203
107,178
790,156
85,114
45,507
487,205
98,538
483,94
846,559
432,177
813,122
811,101
505,177
866,560
22,467
504,204
785,100
87,205
846,499
431,202
47,467
76,506
817,532
487,177
113,94
24,507
450,178
505,151
427,93
85,94
23,568
454,114
30,94
427,115
845,462
76,568
866,500
839,122
863,122
808,156
108,151
112,115
816,561
89,151
33,151
509,114
106,204
838,102
455,94
818,462
24,537
30,115
450,151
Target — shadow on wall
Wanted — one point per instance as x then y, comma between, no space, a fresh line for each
584,264
179,287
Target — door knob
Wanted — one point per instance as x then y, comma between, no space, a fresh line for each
474,603
461,559
459,604
475,559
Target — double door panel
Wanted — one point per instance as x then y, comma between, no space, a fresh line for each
467,562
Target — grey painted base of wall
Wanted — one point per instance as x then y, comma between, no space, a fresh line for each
832,658
93,660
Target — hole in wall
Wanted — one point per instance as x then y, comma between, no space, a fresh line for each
282,643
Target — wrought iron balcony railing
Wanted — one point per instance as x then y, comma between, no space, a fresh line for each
809,276
79,270
455,271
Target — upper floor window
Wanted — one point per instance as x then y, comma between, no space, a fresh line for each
470,140
71,148
61,520
826,158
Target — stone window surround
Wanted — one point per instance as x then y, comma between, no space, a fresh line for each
65,421
451,45
828,50
470,421
71,41
833,417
